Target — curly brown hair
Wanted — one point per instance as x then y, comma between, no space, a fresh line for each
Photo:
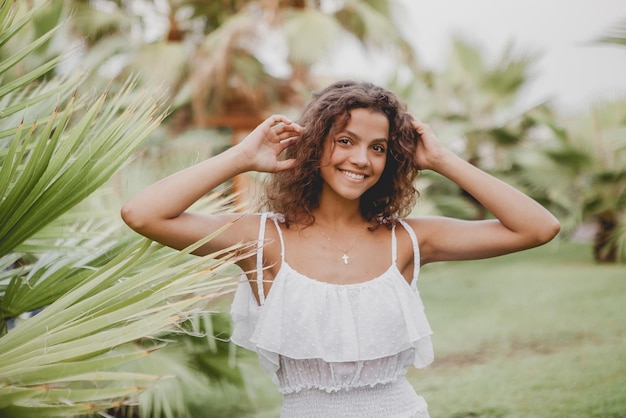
295,193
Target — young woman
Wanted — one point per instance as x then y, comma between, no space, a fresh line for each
330,300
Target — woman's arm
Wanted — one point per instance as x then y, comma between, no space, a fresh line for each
159,211
520,223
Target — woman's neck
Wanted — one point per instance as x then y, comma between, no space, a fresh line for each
340,213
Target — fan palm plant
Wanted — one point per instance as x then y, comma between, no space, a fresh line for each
474,103
582,172
227,64
236,64
220,58
75,295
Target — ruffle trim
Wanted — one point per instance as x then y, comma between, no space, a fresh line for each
303,319
301,387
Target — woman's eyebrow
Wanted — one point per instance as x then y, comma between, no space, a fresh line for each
352,134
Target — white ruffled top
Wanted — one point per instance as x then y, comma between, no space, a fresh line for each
313,334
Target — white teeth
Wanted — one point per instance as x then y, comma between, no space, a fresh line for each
354,175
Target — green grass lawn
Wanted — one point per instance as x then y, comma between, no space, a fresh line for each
535,334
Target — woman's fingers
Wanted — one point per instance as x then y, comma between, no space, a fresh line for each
287,133
283,129
285,165
276,119
421,127
289,140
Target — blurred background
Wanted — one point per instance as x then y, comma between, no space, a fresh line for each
102,97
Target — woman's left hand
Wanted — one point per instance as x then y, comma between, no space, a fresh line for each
429,152
520,222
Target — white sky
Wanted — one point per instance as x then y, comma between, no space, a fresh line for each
571,71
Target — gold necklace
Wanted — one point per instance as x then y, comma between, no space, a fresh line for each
345,257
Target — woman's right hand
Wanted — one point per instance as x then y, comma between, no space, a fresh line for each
159,212
262,147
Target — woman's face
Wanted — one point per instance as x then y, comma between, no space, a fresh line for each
354,158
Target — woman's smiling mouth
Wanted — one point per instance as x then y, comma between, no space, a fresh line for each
353,176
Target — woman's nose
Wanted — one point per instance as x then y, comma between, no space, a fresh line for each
360,157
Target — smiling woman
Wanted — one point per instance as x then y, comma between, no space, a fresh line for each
354,159
330,300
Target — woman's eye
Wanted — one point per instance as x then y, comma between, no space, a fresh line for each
344,141
378,148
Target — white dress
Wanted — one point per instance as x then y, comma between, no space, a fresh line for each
337,350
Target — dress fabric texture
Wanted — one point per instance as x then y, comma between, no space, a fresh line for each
337,350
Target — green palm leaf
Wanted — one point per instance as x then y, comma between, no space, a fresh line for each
310,34
60,269
118,304
617,35
96,294
53,168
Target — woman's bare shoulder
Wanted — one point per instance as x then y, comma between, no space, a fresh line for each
422,225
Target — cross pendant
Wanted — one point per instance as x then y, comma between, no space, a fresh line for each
345,258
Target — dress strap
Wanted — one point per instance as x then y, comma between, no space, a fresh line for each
394,245
416,251
259,254
259,260
279,218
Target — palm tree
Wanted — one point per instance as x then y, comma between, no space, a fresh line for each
216,57
474,105
75,294
229,71
582,173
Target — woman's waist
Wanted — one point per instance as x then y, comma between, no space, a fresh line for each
295,375
394,399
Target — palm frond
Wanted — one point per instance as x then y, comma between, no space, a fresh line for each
94,24
118,304
190,389
371,22
84,308
310,35
53,168
58,269
510,73
616,35
161,64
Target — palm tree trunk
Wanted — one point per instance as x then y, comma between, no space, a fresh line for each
605,250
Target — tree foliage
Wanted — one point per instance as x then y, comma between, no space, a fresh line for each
76,295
